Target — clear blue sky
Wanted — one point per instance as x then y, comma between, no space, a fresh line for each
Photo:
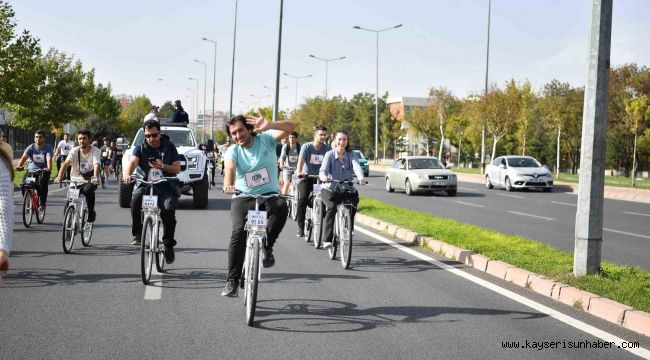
442,43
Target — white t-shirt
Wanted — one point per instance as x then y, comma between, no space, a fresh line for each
65,147
150,116
85,163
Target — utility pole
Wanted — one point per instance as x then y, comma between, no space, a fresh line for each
589,216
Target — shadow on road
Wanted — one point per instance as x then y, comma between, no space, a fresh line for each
28,278
325,316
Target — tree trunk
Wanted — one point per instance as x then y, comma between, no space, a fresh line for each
442,139
495,140
634,162
557,155
523,153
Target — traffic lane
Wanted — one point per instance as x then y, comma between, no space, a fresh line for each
385,304
547,222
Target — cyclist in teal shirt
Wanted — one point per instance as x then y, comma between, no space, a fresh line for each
250,166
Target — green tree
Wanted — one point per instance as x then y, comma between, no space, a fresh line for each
132,115
101,109
166,110
445,105
19,63
638,114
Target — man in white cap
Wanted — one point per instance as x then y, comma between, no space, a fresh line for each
152,115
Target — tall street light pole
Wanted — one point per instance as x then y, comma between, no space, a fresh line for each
232,71
214,82
326,67
377,87
487,66
193,108
205,85
269,88
295,108
197,109
277,70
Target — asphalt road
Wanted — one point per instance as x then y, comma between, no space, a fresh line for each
547,217
391,304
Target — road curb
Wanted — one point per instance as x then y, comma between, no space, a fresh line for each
606,309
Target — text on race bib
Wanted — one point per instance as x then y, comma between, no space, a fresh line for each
39,158
257,178
73,194
257,218
316,159
293,158
149,201
317,188
154,174
85,166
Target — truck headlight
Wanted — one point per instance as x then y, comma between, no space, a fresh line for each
192,162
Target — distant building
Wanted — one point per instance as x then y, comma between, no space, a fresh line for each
125,100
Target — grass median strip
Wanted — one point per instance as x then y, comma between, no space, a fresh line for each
627,285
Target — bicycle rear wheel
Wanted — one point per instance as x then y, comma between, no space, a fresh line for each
160,254
346,237
28,212
308,225
86,228
40,213
252,280
69,228
317,223
146,250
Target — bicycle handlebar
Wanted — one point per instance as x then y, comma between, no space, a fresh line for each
31,171
253,196
160,181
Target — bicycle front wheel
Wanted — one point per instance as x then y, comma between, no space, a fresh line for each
335,240
69,228
252,280
28,212
86,228
346,238
146,250
294,209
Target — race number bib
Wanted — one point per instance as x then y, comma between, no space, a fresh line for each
317,188
118,153
257,178
30,180
73,194
149,201
293,158
154,174
104,153
39,158
257,218
316,159
211,155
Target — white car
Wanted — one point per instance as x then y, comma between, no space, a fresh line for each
420,174
518,172
194,180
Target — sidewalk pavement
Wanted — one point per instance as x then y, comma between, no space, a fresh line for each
611,192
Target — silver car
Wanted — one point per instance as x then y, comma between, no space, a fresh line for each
420,174
518,172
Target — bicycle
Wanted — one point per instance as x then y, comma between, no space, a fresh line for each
151,245
292,197
75,218
31,198
314,215
256,223
117,168
209,173
343,230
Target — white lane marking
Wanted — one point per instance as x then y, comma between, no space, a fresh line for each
626,233
509,195
563,203
634,213
644,353
467,189
153,291
531,215
468,204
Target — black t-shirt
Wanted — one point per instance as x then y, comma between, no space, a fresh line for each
180,117
166,151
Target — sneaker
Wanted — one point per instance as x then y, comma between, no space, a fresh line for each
92,216
41,208
213,184
231,288
326,245
301,232
136,240
268,259
169,254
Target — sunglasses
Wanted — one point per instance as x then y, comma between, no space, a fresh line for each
153,136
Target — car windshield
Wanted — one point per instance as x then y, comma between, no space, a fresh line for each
177,137
431,163
524,162
358,152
